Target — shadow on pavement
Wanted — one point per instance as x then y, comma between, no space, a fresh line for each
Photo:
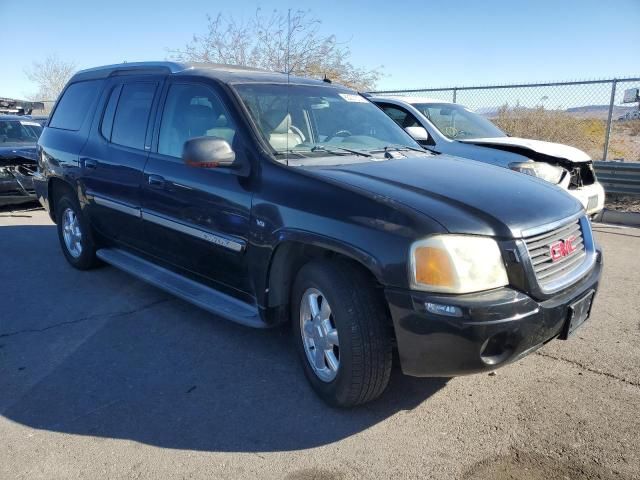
163,373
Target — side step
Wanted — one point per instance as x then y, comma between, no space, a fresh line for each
200,295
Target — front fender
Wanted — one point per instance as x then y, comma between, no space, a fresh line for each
274,266
368,260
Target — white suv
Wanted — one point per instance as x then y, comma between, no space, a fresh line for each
450,128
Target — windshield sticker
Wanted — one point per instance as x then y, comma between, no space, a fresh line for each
351,97
30,124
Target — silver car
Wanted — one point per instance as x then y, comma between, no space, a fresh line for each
451,128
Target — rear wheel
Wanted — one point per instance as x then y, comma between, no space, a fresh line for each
342,332
74,234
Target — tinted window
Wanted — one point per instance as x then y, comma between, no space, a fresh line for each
109,112
192,111
400,116
132,115
18,132
74,105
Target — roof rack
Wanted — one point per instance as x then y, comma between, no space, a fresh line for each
154,67
119,68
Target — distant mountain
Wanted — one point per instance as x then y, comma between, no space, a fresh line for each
599,111
586,111
585,108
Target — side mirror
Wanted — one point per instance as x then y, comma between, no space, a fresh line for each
208,152
419,134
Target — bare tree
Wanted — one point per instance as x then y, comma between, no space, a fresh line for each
50,76
280,42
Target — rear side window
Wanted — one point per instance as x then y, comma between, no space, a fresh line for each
109,112
132,115
75,104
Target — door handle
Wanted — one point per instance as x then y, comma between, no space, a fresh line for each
155,180
89,163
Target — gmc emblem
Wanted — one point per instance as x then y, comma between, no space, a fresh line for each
562,248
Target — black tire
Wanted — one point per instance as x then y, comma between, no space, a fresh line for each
364,330
87,258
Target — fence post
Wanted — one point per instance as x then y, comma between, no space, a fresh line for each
455,94
609,118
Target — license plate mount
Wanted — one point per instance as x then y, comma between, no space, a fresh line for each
578,313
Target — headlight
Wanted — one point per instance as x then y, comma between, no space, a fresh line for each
456,264
547,172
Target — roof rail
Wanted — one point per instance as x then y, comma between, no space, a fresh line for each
132,67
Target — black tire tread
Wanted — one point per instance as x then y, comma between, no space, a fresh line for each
372,351
87,259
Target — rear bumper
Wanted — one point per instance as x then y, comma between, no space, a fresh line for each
496,327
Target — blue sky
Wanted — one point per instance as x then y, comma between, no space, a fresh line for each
418,43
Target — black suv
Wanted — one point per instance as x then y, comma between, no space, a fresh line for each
268,199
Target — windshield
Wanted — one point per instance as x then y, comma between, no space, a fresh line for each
458,122
319,120
19,132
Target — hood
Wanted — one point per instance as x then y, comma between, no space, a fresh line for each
524,145
464,196
12,152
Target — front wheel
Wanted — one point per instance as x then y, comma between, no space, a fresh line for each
342,332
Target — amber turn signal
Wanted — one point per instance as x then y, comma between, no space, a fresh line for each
433,267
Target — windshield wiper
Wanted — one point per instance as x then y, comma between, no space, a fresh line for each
300,153
322,148
387,149
404,147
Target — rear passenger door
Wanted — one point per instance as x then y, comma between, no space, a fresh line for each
198,218
113,159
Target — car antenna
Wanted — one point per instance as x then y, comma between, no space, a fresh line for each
326,79
288,72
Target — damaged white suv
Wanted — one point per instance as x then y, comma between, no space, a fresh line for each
450,128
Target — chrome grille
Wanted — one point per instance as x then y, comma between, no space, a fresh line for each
539,246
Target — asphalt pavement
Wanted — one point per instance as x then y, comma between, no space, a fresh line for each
103,376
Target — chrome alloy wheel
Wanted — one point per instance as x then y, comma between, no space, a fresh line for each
319,335
71,233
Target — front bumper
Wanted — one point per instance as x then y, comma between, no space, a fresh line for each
16,186
496,327
591,197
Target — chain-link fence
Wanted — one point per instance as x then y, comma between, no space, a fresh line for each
588,115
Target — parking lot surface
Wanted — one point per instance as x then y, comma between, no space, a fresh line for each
103,376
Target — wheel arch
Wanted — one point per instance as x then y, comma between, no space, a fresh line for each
294,250
57,187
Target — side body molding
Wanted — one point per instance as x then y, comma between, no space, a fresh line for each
216,238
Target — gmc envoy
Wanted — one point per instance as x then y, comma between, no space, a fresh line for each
269,199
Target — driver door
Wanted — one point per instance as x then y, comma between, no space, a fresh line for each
198,218
406,119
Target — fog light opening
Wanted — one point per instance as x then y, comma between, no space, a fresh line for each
441,309
496,349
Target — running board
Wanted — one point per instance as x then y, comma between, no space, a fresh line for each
193,292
